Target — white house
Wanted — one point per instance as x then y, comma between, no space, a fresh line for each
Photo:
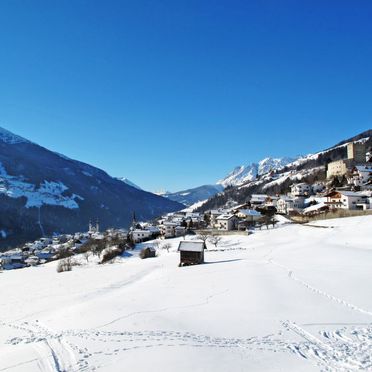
288,204
179,231
140,235
258,199
300,189
168,229
250,215
347,200
360,175
226,222
215,213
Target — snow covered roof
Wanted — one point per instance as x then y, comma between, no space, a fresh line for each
364,168
141,231
351,193
250,212
315,207
191,246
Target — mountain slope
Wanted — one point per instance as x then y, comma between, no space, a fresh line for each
129,182
42,192
194,195
246,173
309,168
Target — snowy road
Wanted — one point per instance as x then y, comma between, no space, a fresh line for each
290,299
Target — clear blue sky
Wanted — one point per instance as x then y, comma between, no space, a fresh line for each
173,93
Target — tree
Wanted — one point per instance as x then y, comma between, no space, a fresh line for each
215,239
204,237
87,255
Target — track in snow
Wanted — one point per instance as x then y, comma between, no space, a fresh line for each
344,349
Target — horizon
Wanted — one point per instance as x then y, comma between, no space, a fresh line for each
178,190
175,96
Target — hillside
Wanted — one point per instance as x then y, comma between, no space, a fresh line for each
192,196
278,300
42,192
309,168
247,173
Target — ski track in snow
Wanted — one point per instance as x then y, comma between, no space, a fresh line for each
340,350
337,350
319,291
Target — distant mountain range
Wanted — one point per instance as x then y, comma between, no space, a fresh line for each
191,196
247,173
42,192
274,176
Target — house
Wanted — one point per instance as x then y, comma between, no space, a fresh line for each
316,209
227,222
347,200
191,252
300,189
168,229
214,214
317,187
249,215
180,231
258,199
271,201
288,204
360,175
140,235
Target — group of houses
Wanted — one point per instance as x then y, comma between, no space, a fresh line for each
41,251
171,225
48,249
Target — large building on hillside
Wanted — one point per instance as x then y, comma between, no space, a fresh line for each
356,154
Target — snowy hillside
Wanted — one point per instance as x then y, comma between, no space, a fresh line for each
195,195
43,192
129,182
293,298
11,138
246,173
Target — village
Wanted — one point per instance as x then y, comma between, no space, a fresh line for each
303,202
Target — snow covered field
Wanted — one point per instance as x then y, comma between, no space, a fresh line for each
296,298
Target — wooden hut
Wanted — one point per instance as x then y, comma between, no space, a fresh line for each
191,252
148,252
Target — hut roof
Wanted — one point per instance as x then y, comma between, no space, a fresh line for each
191,246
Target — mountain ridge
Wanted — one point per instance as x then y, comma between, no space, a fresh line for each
44,192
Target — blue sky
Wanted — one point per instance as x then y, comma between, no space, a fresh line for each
174,94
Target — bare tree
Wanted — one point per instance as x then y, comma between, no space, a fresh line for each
87,254
215,239
166,246
204,237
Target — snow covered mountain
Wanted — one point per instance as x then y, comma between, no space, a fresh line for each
129,182
274,176
42,192
194,195
246,173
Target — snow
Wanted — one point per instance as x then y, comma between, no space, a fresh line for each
197,205
48,192
128,182
243,174
293,298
